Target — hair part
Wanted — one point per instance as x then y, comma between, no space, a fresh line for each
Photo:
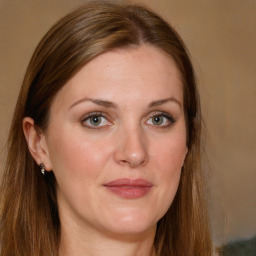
28,208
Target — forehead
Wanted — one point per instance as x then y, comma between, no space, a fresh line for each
130,74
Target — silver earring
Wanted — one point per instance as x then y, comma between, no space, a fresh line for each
42,168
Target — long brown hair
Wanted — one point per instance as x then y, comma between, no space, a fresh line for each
29,215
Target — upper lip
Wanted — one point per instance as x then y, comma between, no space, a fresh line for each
129,183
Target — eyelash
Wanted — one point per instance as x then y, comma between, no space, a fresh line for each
91,115
164,115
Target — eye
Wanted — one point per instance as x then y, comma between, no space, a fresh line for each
95,121
161,120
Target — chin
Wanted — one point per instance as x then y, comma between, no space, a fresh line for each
133,230
132,223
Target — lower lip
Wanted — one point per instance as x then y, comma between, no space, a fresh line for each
129,192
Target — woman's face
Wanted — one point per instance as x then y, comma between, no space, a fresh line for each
116,141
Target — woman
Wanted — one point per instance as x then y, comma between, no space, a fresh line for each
104,148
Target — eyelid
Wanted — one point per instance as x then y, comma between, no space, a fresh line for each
165,115
91,114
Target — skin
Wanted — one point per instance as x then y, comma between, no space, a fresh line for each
140,134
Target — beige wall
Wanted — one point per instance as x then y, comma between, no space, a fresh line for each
221,37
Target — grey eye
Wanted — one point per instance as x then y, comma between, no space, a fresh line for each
157,120
161,120
95,120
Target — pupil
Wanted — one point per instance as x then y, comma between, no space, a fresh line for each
157,120
95,120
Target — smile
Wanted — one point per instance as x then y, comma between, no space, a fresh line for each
128,188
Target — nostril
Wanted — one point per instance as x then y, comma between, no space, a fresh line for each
134,161
123,162
131,150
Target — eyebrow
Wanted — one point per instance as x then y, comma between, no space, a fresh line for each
109,104
99,102
163,101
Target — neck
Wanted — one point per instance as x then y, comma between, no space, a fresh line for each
79,242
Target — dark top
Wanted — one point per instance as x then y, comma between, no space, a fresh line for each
240,248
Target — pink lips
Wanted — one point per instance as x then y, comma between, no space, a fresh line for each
128,188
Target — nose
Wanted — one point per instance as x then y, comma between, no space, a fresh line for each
131,149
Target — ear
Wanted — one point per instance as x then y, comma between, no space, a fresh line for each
36,143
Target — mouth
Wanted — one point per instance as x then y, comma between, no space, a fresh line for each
129,188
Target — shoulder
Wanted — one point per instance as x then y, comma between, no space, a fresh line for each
241,247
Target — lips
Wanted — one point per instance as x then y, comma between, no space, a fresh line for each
129,188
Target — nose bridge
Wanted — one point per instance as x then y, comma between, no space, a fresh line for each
132,149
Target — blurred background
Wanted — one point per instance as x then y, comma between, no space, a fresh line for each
221,37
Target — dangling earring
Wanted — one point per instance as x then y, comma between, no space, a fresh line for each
42,168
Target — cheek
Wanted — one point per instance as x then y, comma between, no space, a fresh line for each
73,154
169,165
170,153
78,164
169,157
